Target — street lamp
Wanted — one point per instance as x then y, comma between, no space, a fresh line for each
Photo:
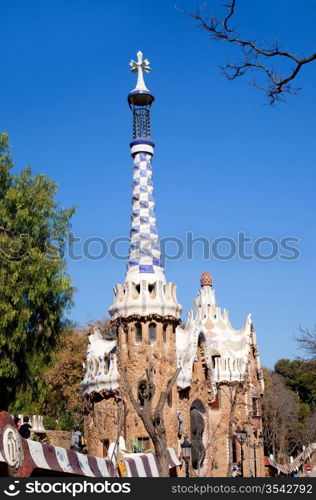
242,437
186,453
255,446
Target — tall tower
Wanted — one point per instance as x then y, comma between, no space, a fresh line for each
145,311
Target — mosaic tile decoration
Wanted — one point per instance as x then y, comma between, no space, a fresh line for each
144,250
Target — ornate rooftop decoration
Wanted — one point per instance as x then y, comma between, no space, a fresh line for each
226,349
138,67
206,279
100,369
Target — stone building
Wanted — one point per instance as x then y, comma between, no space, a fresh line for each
218,391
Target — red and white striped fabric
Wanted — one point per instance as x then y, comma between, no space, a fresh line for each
294,466
55,458
145,464
67,461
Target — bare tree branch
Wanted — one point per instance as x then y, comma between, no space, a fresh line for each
253,56
231,8
307,342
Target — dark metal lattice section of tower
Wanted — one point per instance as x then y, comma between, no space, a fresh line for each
141,122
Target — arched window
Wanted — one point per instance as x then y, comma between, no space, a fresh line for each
152,332
164,332
138,327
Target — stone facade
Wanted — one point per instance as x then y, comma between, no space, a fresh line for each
59,438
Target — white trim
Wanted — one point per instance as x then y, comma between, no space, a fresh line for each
142,148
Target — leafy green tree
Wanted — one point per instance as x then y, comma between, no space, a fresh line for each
300,377
35,290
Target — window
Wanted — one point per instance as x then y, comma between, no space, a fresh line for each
255,407
234,447
138,327
216,403
164,332
106,444
152,290
215,361
152,332
106,363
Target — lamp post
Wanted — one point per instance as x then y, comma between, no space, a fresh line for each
255,446
186,453
241,435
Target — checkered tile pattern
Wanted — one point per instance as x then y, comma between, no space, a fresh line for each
144,249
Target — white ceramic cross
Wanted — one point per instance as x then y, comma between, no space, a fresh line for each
140,66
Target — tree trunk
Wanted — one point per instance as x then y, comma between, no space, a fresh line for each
160,443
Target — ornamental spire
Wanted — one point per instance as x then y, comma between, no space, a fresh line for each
144,254
144,291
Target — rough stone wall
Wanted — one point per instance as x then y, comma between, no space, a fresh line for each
136,355
102,424
59,438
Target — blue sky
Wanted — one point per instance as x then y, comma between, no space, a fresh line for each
224,161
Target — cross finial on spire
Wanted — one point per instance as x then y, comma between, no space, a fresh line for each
140,66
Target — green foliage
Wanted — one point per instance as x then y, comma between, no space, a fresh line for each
49,423
35,291
66,422
289,414
300,377
138,446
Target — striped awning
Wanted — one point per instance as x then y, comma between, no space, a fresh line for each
294,466
145,464
25,457
67,461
